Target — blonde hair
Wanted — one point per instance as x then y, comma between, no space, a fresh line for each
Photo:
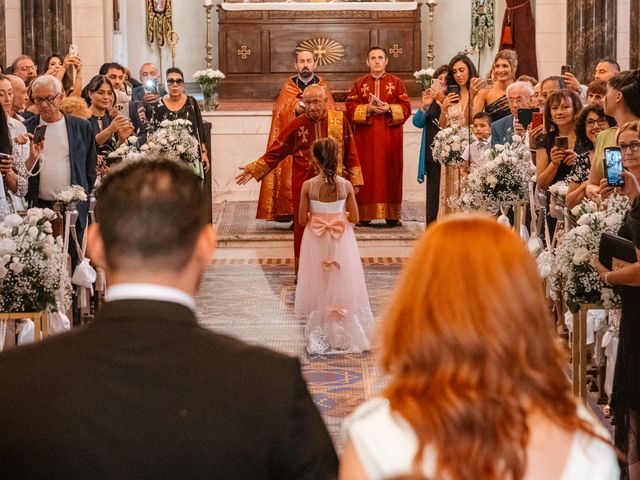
510,56
75,106
471,350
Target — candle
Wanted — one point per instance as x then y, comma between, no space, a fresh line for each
207,3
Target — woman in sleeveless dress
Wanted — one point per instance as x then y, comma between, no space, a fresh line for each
477,386
494,100
331,295
461,73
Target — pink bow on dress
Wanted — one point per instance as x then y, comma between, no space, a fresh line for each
342,312
335,228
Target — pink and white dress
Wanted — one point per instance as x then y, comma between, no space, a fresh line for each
331,294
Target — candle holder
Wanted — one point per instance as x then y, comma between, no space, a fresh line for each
208,46
431,5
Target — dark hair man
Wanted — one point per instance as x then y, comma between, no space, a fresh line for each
144,391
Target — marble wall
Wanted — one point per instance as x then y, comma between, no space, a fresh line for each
13,29
623,33
591,25
634,39
46,28
3,37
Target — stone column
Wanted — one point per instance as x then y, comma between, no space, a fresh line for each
591,34
46,29
634,39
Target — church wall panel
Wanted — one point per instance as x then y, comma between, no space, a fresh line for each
3,36
634,40
46,28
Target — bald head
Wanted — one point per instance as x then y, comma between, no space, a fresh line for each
315,102
20,95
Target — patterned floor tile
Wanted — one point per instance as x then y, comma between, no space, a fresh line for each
254,302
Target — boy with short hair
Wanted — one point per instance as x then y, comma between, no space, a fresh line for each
474,153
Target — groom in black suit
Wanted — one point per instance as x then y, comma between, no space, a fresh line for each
144,391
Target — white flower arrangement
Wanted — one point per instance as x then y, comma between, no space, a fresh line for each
174,139
503,180
424,77
575,276
208,76
72,193
30,257
558,193
449,144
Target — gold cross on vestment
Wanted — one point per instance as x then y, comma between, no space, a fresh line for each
390,88
365,90
303,132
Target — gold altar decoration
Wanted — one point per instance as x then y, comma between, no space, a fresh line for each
327,51
159,21
172,39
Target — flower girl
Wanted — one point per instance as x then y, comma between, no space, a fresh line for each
331,295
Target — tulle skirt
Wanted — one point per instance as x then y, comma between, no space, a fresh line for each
331,294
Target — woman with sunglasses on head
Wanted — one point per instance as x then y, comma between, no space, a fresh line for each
176,104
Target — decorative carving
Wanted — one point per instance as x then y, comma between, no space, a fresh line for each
396,50
244,52
275,14
243,15
396,14
172,39
159,21
327,51
482,24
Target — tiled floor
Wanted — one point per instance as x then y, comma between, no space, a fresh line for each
254,302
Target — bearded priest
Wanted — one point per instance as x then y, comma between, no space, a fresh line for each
276,201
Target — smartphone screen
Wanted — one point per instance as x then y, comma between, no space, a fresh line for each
562,142
525,116
536,119
613,166
38,134
565,69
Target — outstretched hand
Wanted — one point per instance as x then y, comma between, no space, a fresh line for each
243,177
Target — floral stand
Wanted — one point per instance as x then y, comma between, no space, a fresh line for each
450,177
579,350
39,319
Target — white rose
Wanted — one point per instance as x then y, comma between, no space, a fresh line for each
563,189
165,123
163,141
16,266
33,232
580,256
455,147
492,181
12,220
180,149
3,272
554,188
7,246
585,219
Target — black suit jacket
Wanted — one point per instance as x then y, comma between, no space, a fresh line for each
145,392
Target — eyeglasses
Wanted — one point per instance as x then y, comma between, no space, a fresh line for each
177,81
633,147
45,101
26,68
601,121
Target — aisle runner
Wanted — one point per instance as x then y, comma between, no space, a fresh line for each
255,303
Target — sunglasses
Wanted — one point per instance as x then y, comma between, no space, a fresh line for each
177,81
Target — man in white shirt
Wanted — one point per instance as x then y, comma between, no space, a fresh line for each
147,392
69,156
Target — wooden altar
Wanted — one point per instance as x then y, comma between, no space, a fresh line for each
257,40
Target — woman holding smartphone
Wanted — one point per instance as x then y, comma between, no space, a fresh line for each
109,128
625,395
494,100
458,94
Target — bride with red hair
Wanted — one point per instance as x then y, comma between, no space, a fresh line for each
477,386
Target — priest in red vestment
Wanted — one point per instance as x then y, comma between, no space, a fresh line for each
276,201
297,140
378,106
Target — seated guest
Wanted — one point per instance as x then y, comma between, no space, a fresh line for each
589,123
483,373
148,392
69,154
177,104
494,100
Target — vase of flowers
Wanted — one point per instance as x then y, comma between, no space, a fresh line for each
424,77
209,81
174,139
31,279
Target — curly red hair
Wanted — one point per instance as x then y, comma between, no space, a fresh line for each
471,350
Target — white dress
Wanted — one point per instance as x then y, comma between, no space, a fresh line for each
386,445
331,294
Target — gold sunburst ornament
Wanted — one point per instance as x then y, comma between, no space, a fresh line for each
327,51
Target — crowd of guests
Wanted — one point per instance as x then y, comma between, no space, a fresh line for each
85,123
489,366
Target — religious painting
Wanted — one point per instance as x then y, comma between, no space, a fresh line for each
159,21
482,23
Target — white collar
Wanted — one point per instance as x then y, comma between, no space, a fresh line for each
149,291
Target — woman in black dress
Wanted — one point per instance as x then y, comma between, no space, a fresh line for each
176,104
625,397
